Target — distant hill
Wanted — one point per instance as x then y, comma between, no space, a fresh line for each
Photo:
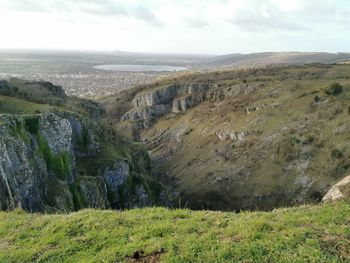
268,58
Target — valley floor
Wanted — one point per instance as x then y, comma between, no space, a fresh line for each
318,233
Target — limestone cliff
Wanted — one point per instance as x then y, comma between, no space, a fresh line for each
174,98
38,167
52,159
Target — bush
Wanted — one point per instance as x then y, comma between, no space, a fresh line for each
78,199
317,99
32,125
337,154
334,89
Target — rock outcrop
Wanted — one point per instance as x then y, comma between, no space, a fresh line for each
340,190
40,156
224,135
171,98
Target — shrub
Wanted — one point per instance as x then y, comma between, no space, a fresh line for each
32,125
78,199
334,89
337,154
317,99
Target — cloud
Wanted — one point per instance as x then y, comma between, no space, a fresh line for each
264,21
98,8
143,13
197,23
101,8
26,5
249,17
279,15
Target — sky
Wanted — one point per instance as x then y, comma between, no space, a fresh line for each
176,26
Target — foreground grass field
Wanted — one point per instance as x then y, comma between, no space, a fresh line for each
318,233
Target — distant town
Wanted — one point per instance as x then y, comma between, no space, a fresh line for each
75,71
92,84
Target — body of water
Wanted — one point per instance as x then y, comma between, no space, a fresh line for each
139,68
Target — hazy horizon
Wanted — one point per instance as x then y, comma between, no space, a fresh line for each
87,51
214,27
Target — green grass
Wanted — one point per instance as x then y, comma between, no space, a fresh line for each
19,106
18,129
318,233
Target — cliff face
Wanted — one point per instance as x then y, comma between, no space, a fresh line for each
174,98
38,167
60,158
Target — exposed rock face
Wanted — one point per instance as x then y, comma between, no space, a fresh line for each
146,112
188,101
162,95
116,179
224,135
38,167
172,98
340,190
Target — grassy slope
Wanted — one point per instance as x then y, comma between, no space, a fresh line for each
318,233
19,106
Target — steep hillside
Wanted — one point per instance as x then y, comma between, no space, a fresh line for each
245,139
56,156
302,234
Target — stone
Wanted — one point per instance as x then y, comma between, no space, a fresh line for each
339,191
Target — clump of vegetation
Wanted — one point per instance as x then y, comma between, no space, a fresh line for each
309,140
78,199
317,99
61,165
134,181
18,130
334,89
32,125
337,154
58,163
